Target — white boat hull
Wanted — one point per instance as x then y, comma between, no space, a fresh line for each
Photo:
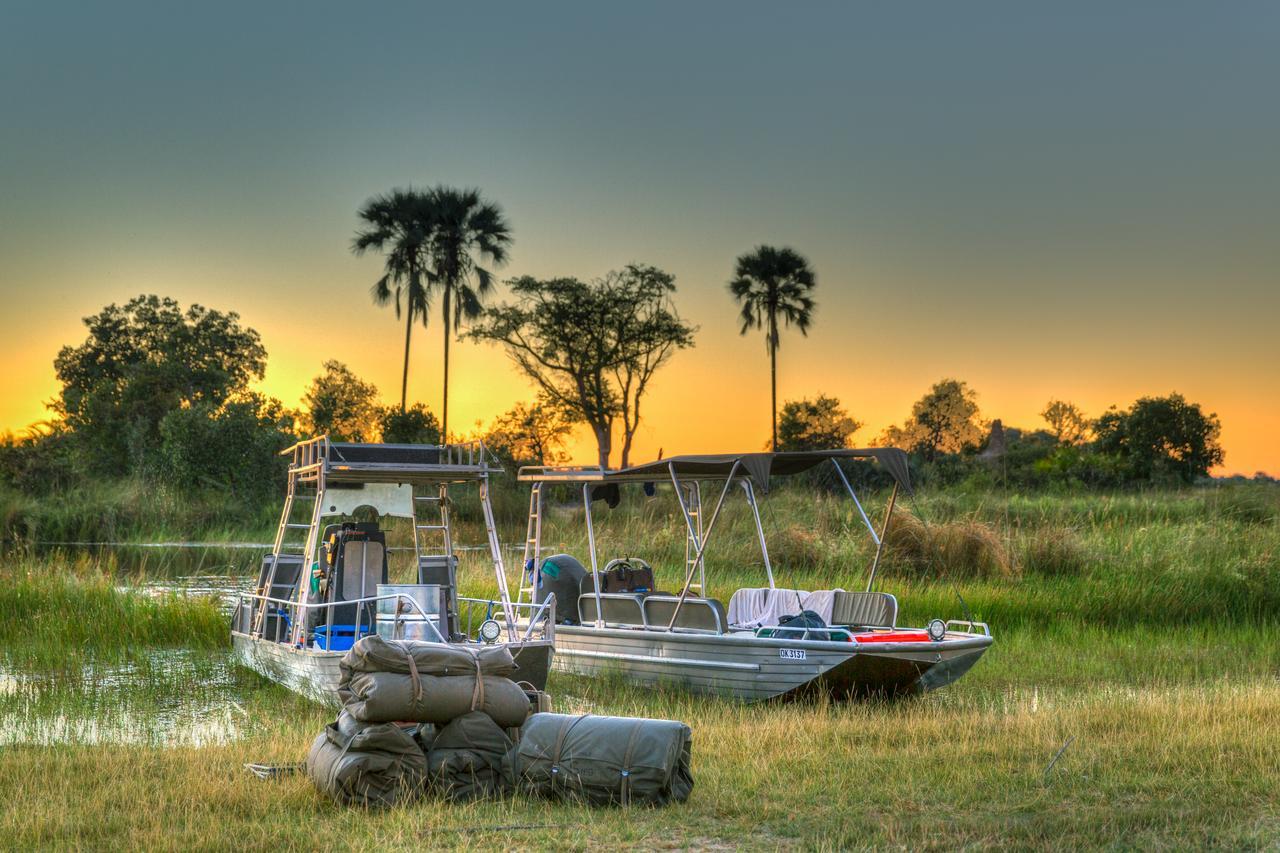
752,668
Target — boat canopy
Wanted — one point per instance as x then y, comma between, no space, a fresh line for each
758,466
411,464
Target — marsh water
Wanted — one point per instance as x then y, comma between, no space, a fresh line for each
151,696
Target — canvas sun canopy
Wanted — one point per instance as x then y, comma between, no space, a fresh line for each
758,466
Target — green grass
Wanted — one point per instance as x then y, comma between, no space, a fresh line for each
1143,629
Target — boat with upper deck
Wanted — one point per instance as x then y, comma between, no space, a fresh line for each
844,643
326,582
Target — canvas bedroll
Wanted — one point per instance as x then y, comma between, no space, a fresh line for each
376,697
383,681
602,760
469,759
367,764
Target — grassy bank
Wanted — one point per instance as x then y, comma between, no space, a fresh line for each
1165,751
1143,631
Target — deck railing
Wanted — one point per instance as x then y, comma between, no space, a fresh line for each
290,617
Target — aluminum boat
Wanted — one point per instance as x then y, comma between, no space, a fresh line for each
770,641
326,582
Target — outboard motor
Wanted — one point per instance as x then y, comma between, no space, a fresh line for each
562,575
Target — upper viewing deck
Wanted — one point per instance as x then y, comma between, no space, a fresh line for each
345,462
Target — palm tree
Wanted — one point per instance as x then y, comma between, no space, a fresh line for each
771,285
398,224
466,230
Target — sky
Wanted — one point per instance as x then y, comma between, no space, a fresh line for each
1075,201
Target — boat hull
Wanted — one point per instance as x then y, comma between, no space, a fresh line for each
314,673
750,668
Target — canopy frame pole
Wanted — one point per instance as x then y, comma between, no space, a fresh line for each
884,529
495,551
591,547
849,486
702,547
755,513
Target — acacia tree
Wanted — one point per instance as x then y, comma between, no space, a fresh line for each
773,285
398,224
592,348
945,420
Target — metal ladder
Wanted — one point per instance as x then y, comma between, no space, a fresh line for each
305,483
694,502
443,527
532,546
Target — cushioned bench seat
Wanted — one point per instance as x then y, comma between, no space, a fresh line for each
701,615
617,609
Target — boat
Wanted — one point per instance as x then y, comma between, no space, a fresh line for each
764,645
326,582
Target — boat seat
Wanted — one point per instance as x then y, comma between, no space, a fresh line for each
617,609
699,615
869,609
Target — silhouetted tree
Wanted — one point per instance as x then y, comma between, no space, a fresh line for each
817,424
465,231
141,362
1159,437
399,224
945,420
773,285
341,405
592,348
414,425
1067,423
530,434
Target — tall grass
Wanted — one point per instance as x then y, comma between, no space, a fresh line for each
52,611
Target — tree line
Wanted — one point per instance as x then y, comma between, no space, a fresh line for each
156,390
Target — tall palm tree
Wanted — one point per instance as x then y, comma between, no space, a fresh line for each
466,230
771,285
398,224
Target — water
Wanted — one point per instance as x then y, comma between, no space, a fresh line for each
162,697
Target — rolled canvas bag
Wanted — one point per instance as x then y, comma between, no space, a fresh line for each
375,765
384,681
469,759
374,654
377,697
624,760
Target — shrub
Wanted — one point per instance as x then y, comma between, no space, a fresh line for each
954,549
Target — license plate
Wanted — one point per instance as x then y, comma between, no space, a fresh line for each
791,654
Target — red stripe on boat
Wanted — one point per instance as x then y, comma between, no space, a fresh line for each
893,637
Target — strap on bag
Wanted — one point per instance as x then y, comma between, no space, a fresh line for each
477,692
563,735
414,677
625,772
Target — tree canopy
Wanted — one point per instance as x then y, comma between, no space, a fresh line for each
1161,438
142,361
592,348
945,420
1067,423
817,424
771,286
530,434
341,405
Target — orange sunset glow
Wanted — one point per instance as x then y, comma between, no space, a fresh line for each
1112,241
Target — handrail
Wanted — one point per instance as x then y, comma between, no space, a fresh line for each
829,629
